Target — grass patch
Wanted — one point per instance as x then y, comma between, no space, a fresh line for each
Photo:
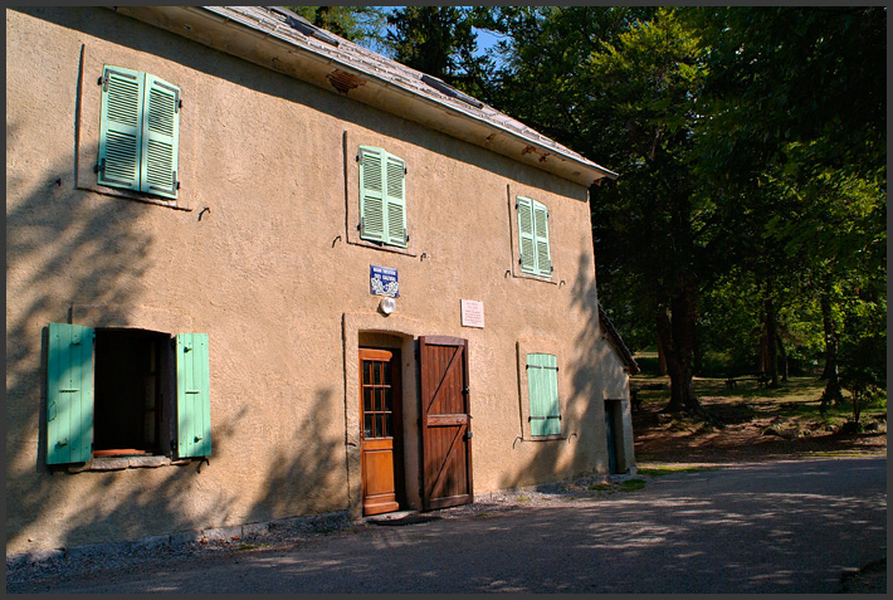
631,485
523,499
669,470
246,547
601,487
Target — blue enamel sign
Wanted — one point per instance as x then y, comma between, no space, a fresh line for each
383,281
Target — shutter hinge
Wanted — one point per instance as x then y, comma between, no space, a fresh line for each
176,181
104,81
100,168
551,269
358,158
178,102
405,237
405,171
360,226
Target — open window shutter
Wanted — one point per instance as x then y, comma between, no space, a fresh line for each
160,137
193,396
395,194
525,235
120,133
69,394
372,212
541,236
542,387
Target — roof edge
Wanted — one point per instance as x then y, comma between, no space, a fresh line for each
617,341
260,39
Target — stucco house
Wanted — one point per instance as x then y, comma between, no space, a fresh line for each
255,271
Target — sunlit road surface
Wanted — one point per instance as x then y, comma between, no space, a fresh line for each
773,527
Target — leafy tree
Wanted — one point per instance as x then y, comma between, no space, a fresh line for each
653,216
439,41
360,24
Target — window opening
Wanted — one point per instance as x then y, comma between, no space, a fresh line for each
129,384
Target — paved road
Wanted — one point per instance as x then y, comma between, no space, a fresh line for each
772,527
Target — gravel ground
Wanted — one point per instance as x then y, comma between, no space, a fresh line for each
139,555
73,562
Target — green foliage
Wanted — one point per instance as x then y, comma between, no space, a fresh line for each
360,24
439,41
751,147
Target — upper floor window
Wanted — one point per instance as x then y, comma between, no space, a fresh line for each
533,237
139,132
382,197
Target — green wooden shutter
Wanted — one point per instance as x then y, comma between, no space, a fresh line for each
541,238
193,395
161,129
69,394
372,200
120,129
395,194
542,388
526,241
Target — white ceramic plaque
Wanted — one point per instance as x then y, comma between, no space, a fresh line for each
472,313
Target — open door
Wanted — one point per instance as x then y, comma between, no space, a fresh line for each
380,433
445,422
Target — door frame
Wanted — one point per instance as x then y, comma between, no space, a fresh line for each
402,331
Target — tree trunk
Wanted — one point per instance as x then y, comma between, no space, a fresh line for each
770,366
784,359
661,355
678,336
832,391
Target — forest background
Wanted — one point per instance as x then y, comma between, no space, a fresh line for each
746,233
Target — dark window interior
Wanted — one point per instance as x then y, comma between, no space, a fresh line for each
131,382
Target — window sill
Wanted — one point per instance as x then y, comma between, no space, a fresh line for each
119,463
522,275
383,247
136,196
544,438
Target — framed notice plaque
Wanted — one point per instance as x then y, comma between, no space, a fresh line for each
472,313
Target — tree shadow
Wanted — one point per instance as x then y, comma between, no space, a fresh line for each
592,365
301,476
68,246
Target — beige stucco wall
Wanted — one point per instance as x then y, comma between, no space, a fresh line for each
276,276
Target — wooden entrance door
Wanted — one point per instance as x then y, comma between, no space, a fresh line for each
445,420
380,430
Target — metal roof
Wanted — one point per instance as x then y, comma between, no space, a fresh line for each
340,65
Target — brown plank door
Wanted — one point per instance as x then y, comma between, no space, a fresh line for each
380,430
445,422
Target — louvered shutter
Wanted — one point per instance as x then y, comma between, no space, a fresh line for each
372,200
69,394
121,130
395,194
160,137
541,238
193,395
542,387
527,245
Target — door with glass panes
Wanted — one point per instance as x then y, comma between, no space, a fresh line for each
380,430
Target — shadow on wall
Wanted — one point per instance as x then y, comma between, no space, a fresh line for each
550,462
302,473
64,246
68,246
